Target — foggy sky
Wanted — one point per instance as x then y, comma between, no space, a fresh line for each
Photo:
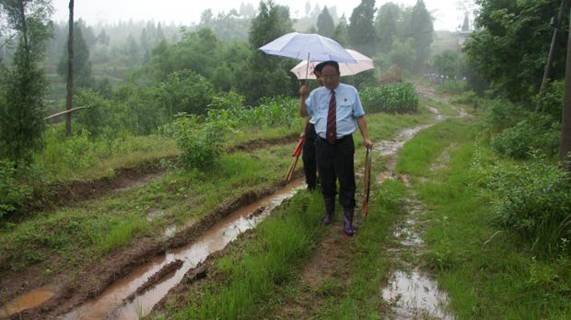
446,12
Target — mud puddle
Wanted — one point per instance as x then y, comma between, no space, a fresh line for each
414,295
121,300
29,300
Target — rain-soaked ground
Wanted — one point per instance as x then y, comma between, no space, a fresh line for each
410,292
134,295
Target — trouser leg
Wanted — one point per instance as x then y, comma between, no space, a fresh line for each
309,158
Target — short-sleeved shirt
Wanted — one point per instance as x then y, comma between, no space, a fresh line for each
348,109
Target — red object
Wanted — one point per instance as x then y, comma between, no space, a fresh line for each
296,153
331,133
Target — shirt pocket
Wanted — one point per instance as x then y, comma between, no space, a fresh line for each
345,106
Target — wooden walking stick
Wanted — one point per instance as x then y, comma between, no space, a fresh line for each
367,182
296,153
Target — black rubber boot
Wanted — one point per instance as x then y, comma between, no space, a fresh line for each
348,221
329,209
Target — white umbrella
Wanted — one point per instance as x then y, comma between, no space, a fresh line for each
303,45
346,69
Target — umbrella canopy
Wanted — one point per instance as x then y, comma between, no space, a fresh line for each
308,46
347,69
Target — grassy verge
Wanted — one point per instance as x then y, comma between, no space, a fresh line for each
488,274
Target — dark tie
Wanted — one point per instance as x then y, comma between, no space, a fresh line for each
331,119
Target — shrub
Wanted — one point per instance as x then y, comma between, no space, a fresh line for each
536,132
501,114
551,102
533,199
12,194
394,98
201,145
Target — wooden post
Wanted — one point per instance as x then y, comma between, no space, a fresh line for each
69,99
565,144
557,26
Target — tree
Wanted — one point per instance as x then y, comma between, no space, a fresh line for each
362,34
510,45
325,25
421,29
267,75
81,60
342,32
386,25
22,107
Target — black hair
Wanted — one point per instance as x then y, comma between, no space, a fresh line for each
318,67
332,63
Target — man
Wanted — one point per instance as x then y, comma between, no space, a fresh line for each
336,110
308,155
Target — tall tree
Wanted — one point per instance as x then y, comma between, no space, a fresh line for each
422,31
23,106
362,34
80,62
386,25
342,32
267,75
325,25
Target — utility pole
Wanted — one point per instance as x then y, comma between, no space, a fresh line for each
69,99
556,27
565,144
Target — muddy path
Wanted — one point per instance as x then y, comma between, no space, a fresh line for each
74,192
144,273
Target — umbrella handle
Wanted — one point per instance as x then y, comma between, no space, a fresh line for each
307,68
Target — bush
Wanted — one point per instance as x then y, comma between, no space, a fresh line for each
501,114
201,145
551,102
13,195
536,132
393,98
452,86
533,199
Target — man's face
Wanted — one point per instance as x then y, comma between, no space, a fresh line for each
329,77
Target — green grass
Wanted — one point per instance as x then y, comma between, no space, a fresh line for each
86,233
488,273
269,259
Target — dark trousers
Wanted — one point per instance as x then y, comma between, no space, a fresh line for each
308,157
335,161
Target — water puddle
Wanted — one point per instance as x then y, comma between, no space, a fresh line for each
113,302
27,301
415,296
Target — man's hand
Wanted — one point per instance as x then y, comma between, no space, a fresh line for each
304,91
368,144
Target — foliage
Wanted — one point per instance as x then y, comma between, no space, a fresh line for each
23,85
421,30
533,199
393,98
551,101
362,33
341,33
535,132
448,64
502,114
510,46
386,25
81,64
185,91
13,194
325,25
200,143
